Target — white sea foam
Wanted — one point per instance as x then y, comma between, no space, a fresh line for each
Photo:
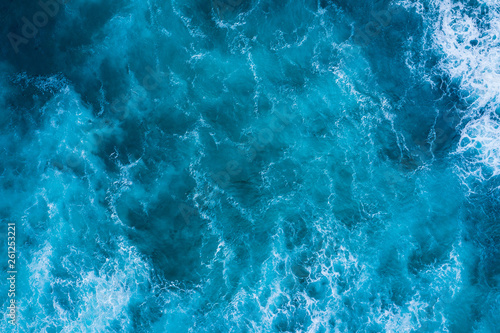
101,295
467,39
480,147
470,41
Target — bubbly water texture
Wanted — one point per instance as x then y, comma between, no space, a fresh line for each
253,166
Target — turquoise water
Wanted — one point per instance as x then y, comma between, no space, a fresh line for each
252,166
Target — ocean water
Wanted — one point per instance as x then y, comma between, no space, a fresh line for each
251,165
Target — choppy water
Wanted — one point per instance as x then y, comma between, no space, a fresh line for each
252,165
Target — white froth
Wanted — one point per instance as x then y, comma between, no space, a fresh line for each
480,146
102,296
467,39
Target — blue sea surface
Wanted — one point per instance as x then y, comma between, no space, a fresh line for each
251,165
